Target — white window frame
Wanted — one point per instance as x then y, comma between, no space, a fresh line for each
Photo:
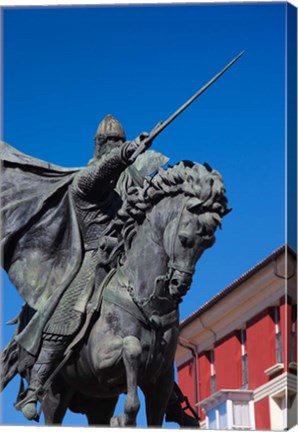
250,407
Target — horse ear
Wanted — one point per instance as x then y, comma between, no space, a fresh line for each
227,211
193,204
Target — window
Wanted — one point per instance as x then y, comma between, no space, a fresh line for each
212,423
244,359
212,373
293,335
278,341
241,418
222,414
217,417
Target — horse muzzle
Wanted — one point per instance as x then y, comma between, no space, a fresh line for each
179,284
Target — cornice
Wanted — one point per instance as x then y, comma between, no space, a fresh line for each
225,394
280,384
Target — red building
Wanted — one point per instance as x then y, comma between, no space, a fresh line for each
237,356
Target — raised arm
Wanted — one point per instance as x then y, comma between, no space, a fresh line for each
97,179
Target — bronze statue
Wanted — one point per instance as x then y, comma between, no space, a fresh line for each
166,224
102,256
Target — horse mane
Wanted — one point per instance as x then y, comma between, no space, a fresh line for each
186,177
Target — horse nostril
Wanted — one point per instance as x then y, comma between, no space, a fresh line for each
184,238
175,282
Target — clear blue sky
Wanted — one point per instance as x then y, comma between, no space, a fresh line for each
66,68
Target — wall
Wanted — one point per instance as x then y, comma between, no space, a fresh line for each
186,381
204,378
228,365
260,345
262,414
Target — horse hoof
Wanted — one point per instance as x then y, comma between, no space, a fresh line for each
118,421
29,411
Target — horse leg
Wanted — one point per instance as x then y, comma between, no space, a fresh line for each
157,396
56,403
131,357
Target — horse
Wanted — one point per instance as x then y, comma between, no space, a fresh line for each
166,225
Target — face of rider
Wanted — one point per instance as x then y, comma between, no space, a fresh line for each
105,146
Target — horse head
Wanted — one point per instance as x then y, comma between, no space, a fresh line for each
184,205
203,205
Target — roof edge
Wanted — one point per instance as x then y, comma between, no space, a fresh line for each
279,251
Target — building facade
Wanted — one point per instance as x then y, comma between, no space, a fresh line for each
237,354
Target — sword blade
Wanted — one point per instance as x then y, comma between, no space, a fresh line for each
162,125
194,97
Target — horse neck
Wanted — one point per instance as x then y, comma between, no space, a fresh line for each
147,258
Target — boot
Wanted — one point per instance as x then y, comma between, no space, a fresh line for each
49,356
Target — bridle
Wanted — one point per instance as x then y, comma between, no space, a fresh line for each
172,264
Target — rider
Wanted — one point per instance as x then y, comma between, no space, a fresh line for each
96,203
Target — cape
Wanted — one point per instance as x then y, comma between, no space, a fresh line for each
41,241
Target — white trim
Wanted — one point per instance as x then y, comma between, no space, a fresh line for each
278,412
252,414
286,381
203,424
217,417
229,412
292,383
225,394
274,369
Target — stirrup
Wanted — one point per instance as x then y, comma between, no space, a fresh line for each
35,396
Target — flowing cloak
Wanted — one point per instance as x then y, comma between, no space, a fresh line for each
41,240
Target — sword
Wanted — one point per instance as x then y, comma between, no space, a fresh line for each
146,142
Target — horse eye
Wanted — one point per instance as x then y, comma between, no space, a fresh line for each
194,209
193,205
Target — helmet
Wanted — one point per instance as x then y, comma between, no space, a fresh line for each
109,127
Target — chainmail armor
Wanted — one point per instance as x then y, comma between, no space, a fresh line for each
96,203
66,320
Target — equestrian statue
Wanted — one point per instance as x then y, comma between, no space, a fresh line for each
102,256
